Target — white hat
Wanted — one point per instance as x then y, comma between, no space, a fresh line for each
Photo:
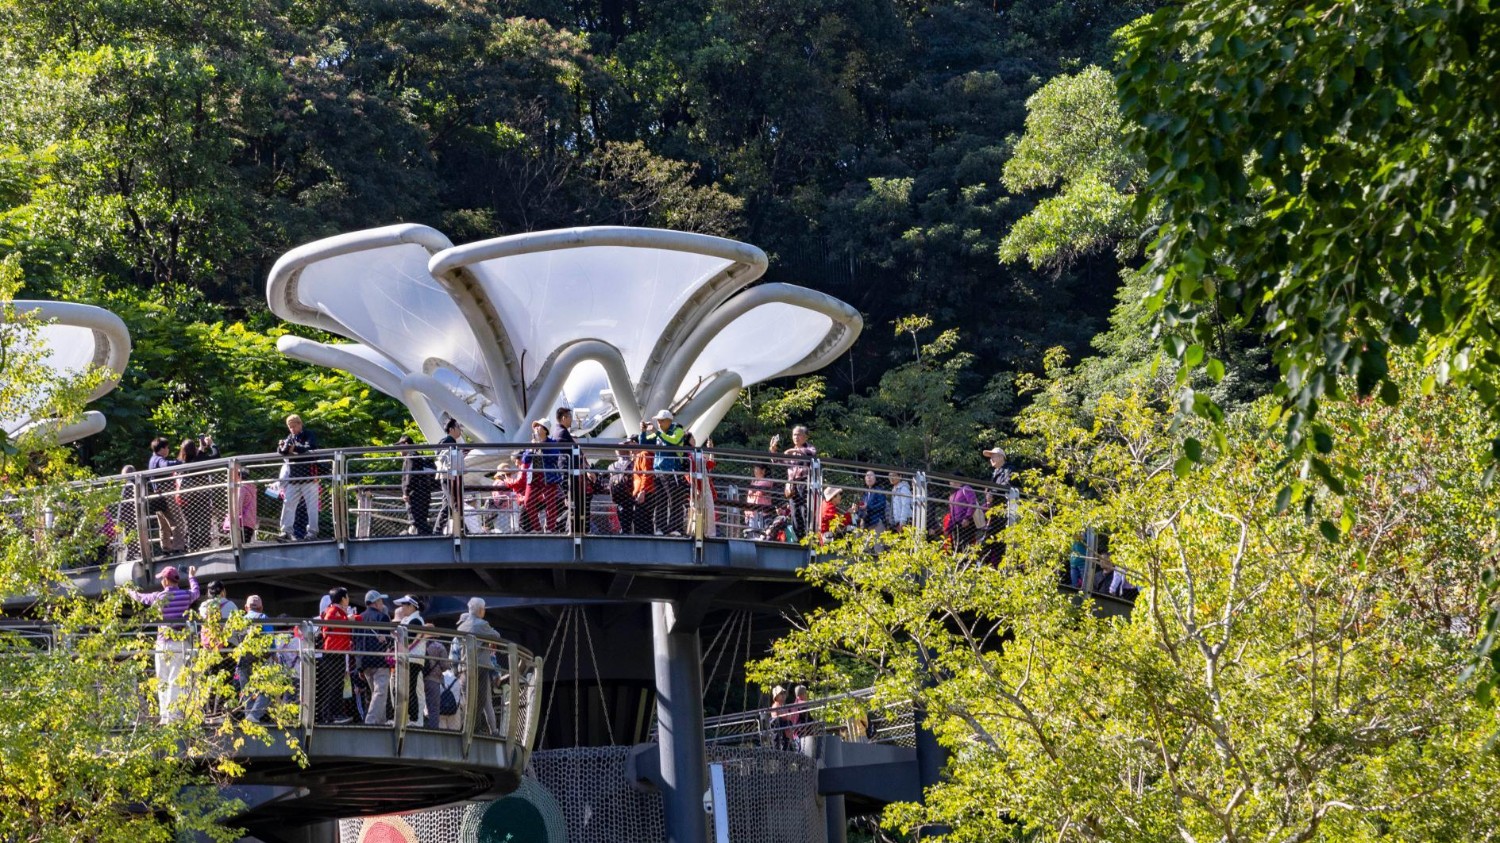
542,423
993,451
831,492
662,414
407,600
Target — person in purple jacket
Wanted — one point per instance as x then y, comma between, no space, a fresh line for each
175,602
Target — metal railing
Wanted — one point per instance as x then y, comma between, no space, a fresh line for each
851,716
333,674
499,490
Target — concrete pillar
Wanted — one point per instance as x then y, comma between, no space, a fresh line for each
679,717
835,817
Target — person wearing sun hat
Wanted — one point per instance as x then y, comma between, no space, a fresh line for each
668,498
830,519
542,509
171,649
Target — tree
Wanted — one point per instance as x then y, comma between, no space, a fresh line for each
1268,685
1324,175
81,757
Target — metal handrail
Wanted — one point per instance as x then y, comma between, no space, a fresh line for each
892,723
493,666
203,501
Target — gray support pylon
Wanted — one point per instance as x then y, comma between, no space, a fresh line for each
679,716
835,817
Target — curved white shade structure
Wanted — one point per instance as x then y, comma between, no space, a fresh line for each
615,322
73,339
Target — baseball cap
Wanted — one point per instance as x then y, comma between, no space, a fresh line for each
169,574
372,595
662,414
407,600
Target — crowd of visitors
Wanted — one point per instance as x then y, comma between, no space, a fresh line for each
658,483
355,648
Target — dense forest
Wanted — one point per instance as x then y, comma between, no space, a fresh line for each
158,156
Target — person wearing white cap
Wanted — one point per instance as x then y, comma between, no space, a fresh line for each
999,473
408,614
541,509
668,498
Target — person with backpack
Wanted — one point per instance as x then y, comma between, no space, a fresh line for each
435,664
214,612
374,650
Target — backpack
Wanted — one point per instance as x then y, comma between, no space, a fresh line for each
447,702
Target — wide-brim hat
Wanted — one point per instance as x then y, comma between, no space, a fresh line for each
831,492
543,423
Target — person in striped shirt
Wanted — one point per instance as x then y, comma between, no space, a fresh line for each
175,602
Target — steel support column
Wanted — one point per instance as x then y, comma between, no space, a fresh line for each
679,715
835,817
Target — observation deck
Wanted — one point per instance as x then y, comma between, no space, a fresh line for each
729,538
310,754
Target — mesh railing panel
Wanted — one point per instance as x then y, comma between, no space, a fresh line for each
356,494
586,791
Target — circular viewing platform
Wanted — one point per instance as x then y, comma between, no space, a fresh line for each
309,753
581,523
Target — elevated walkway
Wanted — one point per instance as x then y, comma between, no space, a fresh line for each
322,756
722,531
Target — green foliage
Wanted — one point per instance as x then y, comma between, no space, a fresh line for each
1075,140
81,757
1268,685
921,413
1323,174
189,377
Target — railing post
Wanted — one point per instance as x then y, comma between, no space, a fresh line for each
578,497
1012,506
337,491
471,687
400,695
814,500
236,541
1090,559
307,673
513,672
455,492
919,505
142,513
697,496
526,735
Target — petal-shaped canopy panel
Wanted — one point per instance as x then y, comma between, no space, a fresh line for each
374,287
637,289
761,344
71,338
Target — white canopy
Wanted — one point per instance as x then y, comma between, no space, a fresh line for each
607,320
71,339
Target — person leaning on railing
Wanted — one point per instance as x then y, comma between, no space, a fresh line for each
486,669
374,647
172,647
669,496
162,500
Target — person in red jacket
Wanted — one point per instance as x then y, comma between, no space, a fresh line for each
831,519
333,660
